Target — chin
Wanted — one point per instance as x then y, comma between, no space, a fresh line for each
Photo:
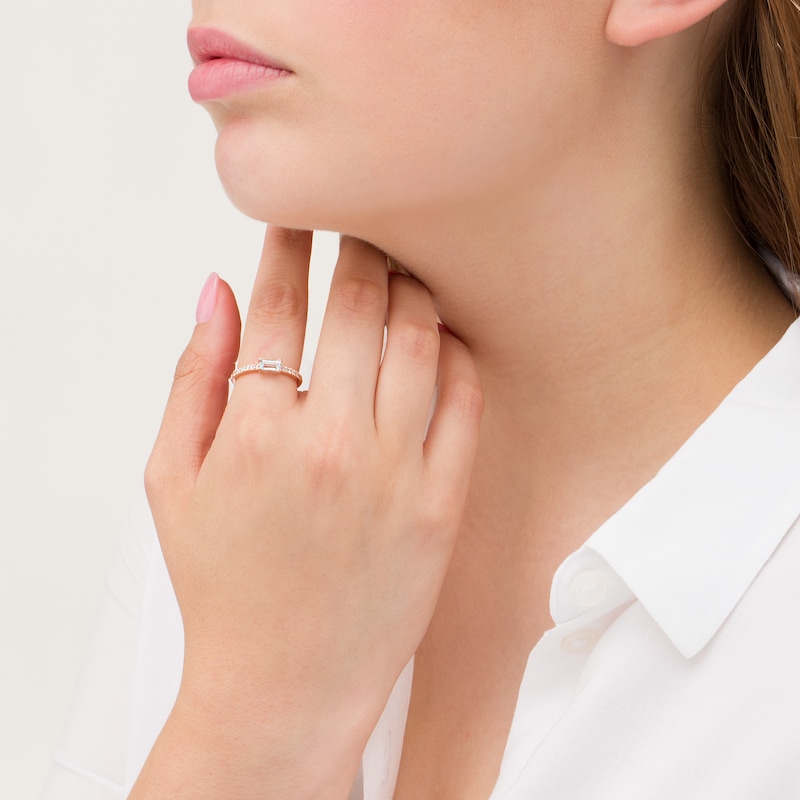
284,178
273,181
257,180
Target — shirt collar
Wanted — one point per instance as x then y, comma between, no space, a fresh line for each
691,541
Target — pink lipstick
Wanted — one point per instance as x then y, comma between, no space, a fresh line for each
225,66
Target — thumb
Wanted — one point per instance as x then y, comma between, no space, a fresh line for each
198,396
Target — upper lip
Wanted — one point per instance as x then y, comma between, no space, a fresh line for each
206,44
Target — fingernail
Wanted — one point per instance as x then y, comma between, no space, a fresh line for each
208,299
443,328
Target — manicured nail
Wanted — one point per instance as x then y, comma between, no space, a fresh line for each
208,299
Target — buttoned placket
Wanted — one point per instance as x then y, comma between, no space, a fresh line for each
586,597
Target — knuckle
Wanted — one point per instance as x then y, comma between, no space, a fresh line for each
464,398
438,522
249,440
288,236
167,484
278,301
360,296
438,513
330,460
156,476
190,367
418,342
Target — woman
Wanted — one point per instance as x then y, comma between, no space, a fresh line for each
601,434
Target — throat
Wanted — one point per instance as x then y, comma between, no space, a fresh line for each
460,714
467,674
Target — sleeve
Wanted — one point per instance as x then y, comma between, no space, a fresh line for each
130,676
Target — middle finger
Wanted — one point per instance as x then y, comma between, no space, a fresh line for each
351,342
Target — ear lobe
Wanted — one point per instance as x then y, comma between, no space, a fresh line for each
634,22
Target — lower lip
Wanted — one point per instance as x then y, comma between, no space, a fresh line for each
223,77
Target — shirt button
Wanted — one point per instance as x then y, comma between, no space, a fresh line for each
589,588
580,641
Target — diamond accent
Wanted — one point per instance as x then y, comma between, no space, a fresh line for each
274,366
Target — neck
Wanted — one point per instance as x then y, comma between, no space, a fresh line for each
607,318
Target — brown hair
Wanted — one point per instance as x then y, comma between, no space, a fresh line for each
755,101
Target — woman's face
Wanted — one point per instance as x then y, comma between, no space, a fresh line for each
401,106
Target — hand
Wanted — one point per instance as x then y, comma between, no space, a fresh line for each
307,535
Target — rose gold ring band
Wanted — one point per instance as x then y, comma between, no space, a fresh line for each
267,365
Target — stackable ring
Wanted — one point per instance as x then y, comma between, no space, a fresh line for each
266,365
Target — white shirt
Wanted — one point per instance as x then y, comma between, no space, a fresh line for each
672,669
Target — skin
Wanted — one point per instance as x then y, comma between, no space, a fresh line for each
539,170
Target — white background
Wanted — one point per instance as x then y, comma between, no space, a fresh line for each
111,217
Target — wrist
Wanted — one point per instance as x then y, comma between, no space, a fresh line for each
232,744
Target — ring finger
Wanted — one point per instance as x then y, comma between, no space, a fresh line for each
276,319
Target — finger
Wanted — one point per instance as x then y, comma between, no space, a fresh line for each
276,319
408,372
351,341
453,432
198,396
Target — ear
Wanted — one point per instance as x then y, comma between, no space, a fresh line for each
634,22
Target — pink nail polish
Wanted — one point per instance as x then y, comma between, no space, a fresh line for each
208,299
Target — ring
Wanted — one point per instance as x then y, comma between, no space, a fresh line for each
267,365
